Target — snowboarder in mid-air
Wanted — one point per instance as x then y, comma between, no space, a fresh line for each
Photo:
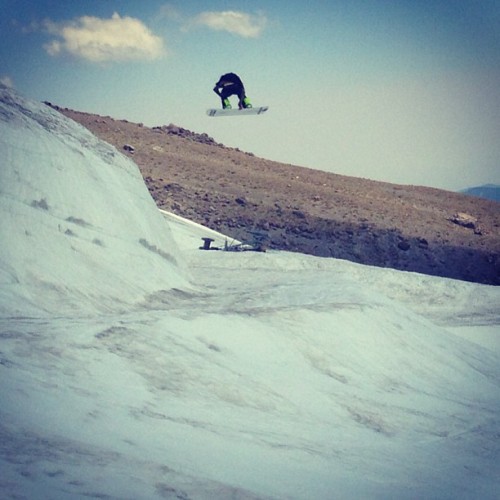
231,84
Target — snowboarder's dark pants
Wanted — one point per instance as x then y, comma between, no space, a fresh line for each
234,89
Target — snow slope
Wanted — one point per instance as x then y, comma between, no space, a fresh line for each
271,375
74,213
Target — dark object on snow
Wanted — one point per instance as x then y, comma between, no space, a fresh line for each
206,244
256,246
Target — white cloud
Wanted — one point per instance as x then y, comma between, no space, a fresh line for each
237,23
7,81
102,40
169,11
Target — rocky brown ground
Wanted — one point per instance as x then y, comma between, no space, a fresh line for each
298,209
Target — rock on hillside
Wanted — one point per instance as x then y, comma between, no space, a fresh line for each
298,209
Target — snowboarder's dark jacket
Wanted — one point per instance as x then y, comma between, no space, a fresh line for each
227,80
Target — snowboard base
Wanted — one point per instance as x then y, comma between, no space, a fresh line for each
237,112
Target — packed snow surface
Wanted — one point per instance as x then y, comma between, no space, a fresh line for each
135,366
79,229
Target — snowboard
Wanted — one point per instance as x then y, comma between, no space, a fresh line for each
237,112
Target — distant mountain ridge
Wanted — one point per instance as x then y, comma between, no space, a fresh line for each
487,191
299,209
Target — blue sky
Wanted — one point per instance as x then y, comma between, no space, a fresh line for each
401,91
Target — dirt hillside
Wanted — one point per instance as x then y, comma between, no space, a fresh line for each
292,208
